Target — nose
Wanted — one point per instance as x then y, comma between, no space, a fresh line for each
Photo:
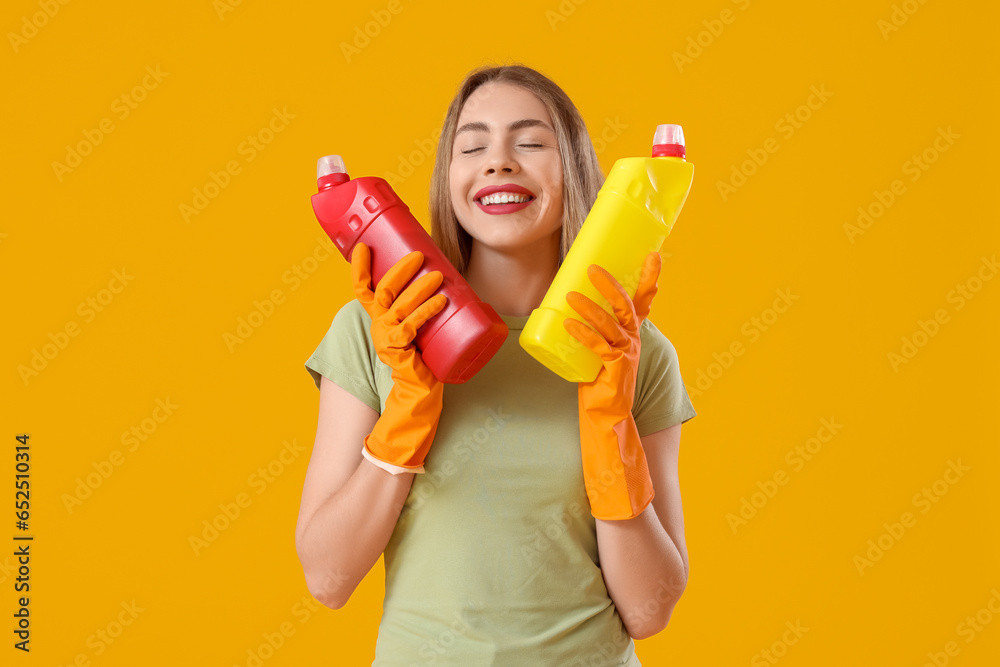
501,160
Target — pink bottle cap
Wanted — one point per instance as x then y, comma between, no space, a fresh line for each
330,164
330,171
668,141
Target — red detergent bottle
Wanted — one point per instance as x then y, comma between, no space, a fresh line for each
458,341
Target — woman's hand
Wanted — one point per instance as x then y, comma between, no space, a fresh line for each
404,432
397,314
614,464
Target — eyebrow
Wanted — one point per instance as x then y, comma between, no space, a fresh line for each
480,126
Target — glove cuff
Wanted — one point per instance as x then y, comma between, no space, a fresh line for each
615,471
405,431
388,467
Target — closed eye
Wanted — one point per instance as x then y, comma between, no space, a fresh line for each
473,150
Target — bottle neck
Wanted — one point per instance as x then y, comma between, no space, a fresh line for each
330,180
669,150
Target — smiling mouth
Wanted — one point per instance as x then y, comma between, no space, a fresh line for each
504,198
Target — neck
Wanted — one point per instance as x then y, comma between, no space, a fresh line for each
514,284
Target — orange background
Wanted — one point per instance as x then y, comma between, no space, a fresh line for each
774,210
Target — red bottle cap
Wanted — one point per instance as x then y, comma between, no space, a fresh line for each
668,141
330,170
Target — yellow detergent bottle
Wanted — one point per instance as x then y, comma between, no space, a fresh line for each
634,212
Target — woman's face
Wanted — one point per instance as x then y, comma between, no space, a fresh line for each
505,150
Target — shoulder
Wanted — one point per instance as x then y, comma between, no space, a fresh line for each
353,314
351,325
347,356
655,347
661,399
351,329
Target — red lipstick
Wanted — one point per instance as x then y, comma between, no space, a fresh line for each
501,209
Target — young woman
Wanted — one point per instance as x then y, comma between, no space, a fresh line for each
524,519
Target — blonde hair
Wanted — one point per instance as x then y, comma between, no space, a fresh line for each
582,176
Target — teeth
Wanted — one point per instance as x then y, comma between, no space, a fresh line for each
504,198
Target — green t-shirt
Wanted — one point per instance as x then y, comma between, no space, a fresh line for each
494,558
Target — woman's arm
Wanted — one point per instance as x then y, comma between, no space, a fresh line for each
644,559
349,506
351,501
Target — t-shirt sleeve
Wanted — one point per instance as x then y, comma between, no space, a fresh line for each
661,399
347,357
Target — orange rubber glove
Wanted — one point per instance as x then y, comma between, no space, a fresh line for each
614,464
403,434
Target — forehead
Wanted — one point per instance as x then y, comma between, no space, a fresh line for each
498,103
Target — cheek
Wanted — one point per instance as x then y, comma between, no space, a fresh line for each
556,181
457,179
454,189
556,190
